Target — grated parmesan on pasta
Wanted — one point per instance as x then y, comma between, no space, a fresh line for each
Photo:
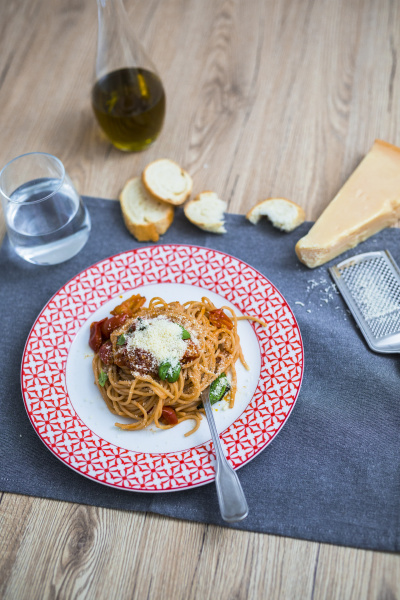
161,338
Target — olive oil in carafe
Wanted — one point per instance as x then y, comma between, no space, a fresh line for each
129,105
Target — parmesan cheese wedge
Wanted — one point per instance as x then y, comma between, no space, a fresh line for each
368,202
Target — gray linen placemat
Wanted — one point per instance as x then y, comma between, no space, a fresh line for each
333,472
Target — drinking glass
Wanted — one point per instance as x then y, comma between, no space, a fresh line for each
46,220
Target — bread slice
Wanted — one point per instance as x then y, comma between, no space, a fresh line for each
368,202
167,181
283,214
145,217
206,211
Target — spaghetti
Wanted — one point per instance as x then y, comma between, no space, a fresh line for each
151,364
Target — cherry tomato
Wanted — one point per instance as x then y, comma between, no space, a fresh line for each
169,414
112,323
95,337
129,306
218,318
106,353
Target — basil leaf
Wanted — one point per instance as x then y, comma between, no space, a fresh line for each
103,378
169,372
185,334
173,373
121,340
163,370
218,388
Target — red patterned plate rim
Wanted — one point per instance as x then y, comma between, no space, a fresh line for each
244,439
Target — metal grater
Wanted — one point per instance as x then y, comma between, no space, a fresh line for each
370,284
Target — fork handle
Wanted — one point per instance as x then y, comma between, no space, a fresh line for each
232,501
231,498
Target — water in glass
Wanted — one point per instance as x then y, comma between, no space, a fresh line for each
64,216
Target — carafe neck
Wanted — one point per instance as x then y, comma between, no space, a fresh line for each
117,46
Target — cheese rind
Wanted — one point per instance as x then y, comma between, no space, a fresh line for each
368,202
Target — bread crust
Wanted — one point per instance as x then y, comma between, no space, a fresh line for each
177,199
145,232
301,215
213,228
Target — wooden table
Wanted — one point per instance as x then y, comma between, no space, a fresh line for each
265,98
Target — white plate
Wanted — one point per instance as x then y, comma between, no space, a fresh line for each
90,407
69,414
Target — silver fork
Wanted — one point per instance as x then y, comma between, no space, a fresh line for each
232,501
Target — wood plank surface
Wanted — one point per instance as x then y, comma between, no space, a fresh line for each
264,98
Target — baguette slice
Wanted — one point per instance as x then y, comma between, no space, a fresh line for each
167,181
145,217
283,214
206,211
368,202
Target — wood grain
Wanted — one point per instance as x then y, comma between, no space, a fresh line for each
267,97
100,553
264,98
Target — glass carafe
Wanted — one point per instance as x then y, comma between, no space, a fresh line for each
128,97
